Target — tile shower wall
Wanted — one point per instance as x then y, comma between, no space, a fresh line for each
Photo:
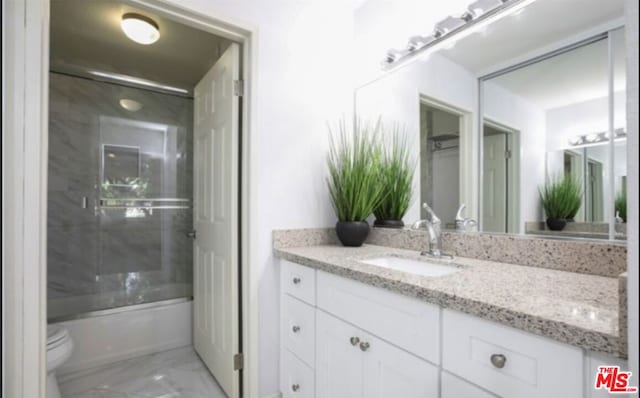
101,257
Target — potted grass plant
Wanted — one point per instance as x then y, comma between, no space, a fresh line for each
561,198
621,205
396,178
354,179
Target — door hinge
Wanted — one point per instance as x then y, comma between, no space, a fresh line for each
238,88
238,361
507,154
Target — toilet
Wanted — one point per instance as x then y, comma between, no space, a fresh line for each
59,347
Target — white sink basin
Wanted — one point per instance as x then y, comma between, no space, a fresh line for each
417,267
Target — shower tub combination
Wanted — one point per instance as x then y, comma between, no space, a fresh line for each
119,261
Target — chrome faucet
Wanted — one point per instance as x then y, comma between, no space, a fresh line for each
434,229
464,224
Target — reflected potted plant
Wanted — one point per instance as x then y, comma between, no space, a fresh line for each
561,198
396,177
621,205
354,179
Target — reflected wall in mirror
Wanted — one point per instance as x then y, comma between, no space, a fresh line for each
496,114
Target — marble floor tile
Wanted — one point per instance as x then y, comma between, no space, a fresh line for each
177,373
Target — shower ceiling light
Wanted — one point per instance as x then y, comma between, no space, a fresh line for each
140,29
453,29
130,105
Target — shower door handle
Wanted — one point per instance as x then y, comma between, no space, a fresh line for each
191,234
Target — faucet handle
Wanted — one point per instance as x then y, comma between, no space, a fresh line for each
459,214
434,218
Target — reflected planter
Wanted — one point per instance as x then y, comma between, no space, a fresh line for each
388,223
556,224
352,233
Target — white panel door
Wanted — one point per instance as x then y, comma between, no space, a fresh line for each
392,372
494,190
216,301
338,362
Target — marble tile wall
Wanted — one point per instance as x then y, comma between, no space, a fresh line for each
95,250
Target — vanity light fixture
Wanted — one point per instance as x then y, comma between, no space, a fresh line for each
595,138
479,14
140,28
130,105
137,81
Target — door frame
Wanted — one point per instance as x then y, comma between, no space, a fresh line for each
24,187
468,185
514,226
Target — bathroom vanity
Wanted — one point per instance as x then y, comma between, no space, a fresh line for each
354,324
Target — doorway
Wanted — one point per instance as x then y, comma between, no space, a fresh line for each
500,189
144,192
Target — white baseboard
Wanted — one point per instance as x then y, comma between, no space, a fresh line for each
105,339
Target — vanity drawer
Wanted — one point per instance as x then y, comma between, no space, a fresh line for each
455,387
298,328
296,379
533,366
298,281
403,321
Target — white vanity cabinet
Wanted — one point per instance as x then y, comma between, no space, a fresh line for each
345,339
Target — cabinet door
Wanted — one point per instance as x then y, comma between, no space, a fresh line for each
392,372
454,387
338,361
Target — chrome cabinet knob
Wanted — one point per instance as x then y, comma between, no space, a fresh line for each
354,341
295,329
364,346
190,234
296,280
498,360
295,387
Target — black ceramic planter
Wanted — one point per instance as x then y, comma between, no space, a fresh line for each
556,224
352,233
388,223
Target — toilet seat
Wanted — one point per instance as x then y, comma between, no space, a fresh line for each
56,336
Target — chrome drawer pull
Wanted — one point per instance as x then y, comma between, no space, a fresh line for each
296,280
364,346
295,387
354,341
295,329
498,360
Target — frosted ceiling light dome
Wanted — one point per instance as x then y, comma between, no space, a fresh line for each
130,105
140,29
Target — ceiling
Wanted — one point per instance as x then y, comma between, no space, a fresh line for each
573,77
576,76
86,35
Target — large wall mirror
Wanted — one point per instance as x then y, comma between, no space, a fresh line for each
524,126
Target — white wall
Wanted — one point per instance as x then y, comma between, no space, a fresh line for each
517,113
384,24
631,31
582,118
396,98
303,80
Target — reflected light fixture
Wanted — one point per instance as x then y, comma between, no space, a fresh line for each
130,105
478,15
596,138
139,28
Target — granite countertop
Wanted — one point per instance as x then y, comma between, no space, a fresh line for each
578,309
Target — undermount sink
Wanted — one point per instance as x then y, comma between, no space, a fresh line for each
416,267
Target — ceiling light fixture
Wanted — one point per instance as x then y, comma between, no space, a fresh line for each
479,14
130,105
140,28
137,81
